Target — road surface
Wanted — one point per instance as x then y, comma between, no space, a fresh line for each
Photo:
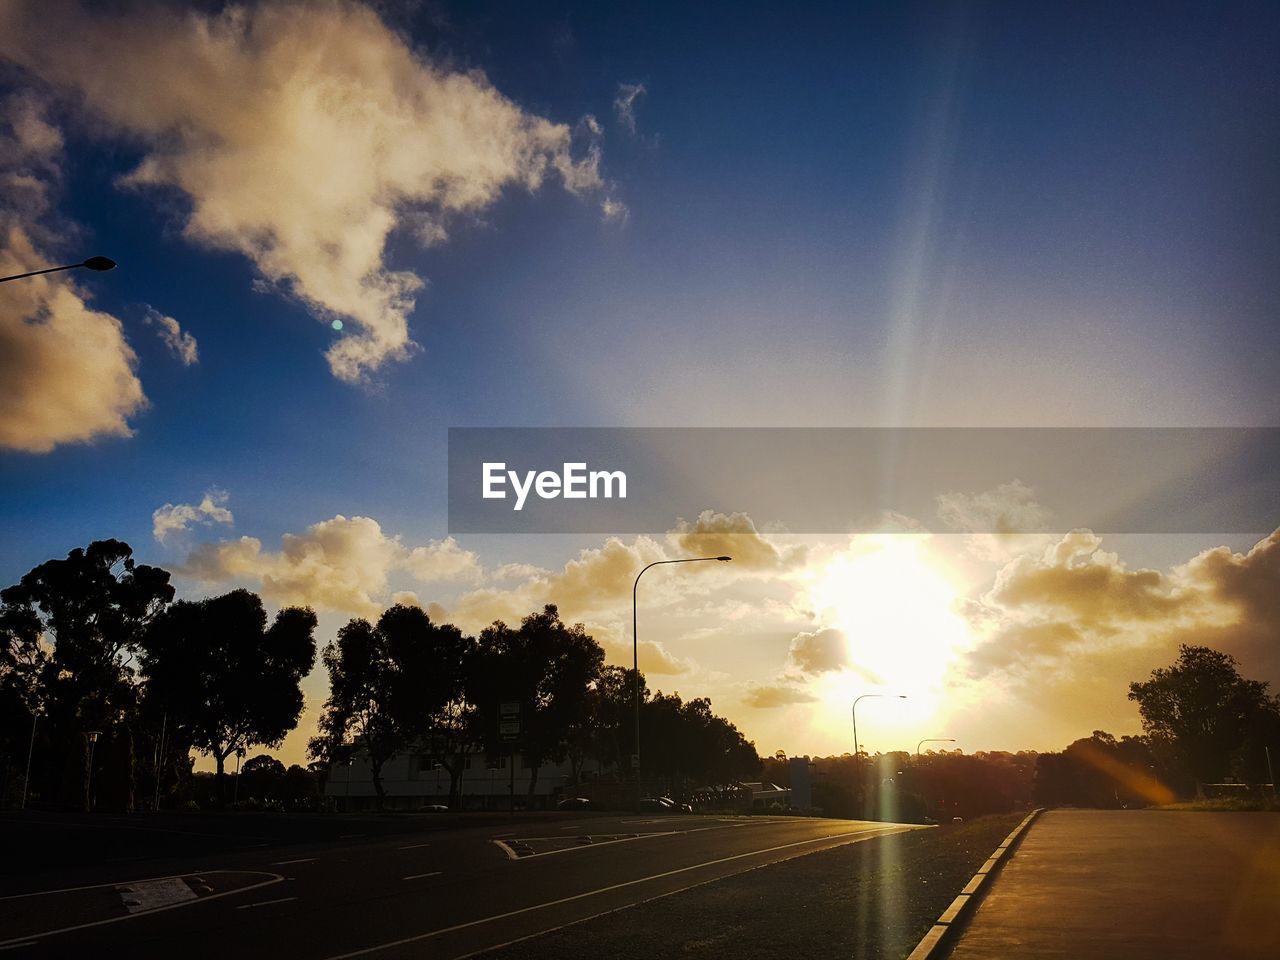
415,889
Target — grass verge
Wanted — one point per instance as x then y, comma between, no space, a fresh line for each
1265,804
869,900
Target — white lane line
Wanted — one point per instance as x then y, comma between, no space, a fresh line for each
415,846
365,951
264,903
15,946
419,876
15,941
585,846
284,863
502,836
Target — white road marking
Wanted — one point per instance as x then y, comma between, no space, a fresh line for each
18,941
415,846
149,894
503,836
264,903
15,946
365,951
585,846
285,863
419,876
511,854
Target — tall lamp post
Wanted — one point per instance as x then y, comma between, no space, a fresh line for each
857,750
31,749
635,650
99,264
933,740
92,737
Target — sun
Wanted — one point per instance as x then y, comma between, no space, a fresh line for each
895,603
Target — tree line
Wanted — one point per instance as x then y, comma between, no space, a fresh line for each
1205,729
108,686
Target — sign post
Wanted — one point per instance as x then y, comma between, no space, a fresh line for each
509,733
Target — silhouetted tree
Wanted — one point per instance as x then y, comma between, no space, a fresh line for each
93,608
1202,710
611,711
687,742
548,668
390,686
227,680
261,777
22,662
428,682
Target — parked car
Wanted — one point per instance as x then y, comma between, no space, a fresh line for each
575,803
435,808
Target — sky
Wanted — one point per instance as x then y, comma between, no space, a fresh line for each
343,228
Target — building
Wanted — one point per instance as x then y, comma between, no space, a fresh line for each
412,781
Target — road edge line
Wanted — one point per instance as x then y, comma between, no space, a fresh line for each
936,943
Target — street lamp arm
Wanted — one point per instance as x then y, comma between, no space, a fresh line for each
93,263
933,740
635,648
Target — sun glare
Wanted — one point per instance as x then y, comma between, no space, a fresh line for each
895,604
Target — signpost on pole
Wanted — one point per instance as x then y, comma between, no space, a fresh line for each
509,733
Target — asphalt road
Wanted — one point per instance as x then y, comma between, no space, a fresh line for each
1126,884
267,887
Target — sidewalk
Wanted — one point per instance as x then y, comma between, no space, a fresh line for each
1135,884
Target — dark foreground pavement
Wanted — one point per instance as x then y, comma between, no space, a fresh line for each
427,890
1135,884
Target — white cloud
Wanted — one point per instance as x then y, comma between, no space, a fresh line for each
301,135
770,695
614,210
68,373
624,104
341,564
180,343
819,651
1001,523
1075,624
441,561
177,517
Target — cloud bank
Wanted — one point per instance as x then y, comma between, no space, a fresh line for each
300,135
178,517
69,375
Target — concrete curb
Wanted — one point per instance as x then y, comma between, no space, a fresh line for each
937,941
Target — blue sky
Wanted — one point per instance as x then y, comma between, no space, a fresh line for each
846,214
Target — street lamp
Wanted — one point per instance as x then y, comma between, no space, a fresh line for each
933,740
31,748
99,264
635,652
92,737
856,751
235,797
